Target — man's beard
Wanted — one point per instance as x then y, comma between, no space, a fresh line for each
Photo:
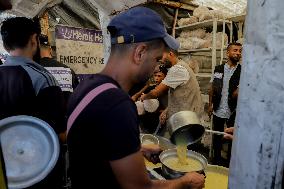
36,56
167,63
235,60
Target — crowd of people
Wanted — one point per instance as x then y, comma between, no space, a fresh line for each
97,114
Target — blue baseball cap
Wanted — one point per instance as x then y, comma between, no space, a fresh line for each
139,24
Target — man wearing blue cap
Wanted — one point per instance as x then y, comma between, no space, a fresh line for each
103,118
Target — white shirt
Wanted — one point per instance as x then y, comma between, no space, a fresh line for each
176,76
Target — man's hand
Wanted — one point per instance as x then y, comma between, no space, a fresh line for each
236,93
194,180
229,133
143,97
135,97
163,117
151,152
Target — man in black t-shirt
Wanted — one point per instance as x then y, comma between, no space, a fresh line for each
103,133
4,5
65,76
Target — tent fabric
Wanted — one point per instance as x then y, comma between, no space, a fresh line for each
85,13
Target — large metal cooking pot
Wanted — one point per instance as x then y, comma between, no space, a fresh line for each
30,149
170,173
186,124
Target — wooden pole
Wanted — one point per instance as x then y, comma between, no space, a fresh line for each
44,24
175,23
214,32
175,4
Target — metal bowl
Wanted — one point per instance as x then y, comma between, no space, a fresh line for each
149,139
165,143
170,173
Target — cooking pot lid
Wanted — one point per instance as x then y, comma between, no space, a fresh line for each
30,149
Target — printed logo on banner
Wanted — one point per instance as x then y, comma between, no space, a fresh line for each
79,48
63,76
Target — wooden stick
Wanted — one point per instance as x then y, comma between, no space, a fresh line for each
174,24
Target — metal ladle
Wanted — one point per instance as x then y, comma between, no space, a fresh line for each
215,132
157,129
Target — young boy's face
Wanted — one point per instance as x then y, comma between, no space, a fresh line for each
158,77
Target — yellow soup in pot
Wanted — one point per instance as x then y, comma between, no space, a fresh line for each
189,165
182,162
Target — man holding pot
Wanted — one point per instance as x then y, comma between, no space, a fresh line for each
181,81
108,123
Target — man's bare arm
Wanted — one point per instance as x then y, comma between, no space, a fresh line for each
155,93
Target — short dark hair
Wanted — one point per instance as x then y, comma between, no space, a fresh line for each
122,48
16,32
163,69
233,44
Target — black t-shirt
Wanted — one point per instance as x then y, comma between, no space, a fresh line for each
26,88
107,129
50,62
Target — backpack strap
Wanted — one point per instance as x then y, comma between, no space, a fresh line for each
85,101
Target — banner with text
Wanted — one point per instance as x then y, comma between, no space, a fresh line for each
79,48
63,76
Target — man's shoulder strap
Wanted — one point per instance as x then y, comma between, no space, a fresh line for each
86,100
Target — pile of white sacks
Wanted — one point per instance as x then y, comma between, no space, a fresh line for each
199,38
201,14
